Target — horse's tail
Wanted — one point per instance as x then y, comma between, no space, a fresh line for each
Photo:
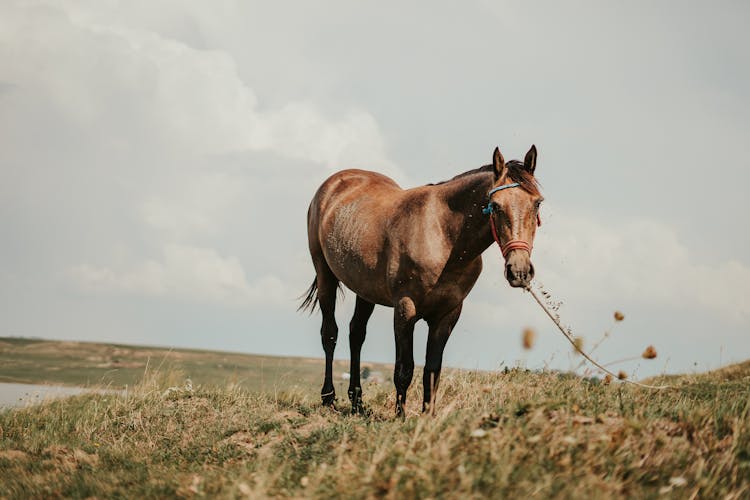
311,298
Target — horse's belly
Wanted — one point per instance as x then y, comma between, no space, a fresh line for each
368,283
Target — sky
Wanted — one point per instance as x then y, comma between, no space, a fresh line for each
157,160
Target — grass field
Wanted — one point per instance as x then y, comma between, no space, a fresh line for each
507,434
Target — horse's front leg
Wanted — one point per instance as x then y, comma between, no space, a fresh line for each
404,318
440,330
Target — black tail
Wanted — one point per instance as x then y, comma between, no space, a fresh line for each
311,298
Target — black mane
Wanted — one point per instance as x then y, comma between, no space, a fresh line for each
516,170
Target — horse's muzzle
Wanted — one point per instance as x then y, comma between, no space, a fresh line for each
519,271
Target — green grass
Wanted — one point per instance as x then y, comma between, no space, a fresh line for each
501,435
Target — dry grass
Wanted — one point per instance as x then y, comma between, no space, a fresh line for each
509,434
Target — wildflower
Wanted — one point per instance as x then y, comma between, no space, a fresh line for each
677,481
478,433
529,336
649,353
582,420
622,375
578,344
607,379
245,489
619,316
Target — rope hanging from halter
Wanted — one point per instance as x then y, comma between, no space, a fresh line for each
522,245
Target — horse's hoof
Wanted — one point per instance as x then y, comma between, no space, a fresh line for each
355,396
328,399
361,410
400,413
428,409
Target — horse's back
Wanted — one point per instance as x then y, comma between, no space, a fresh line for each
351,183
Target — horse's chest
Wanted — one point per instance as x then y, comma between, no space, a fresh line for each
452,287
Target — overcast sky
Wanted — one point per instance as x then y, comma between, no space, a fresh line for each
157,160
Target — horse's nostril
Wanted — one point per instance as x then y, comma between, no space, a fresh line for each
508,271
531,270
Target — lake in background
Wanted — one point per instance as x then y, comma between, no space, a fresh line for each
19,395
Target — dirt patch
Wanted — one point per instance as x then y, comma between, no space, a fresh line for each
62,457
13,455
290,415
260,444
242,439
312,424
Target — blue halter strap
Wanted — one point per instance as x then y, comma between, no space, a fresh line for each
491,206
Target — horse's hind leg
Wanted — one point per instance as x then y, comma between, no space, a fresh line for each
357,331
329,331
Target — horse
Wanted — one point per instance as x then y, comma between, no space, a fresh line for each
418,251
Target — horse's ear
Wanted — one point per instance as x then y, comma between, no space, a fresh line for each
530,161
498,163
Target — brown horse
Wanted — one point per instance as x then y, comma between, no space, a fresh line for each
417,250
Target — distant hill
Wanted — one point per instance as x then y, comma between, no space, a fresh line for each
40,361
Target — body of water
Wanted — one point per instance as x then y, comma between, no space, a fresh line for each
19,395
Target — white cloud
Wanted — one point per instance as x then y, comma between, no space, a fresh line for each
594,267
638,260
186,273
195,203
141,87
162,102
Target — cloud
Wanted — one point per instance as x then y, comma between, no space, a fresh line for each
185,273
635,259
594,266
162,123
195,203
139,87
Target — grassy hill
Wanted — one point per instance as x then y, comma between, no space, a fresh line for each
507,434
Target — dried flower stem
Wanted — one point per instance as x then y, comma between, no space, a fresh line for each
595,346
573,343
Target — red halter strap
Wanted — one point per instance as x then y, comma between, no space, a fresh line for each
511,245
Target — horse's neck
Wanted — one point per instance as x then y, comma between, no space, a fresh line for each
466,198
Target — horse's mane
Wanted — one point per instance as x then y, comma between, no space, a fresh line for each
516,170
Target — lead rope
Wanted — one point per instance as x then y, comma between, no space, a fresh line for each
580,351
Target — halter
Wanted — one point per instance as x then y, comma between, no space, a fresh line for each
512,244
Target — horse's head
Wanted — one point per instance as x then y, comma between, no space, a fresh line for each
513,208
